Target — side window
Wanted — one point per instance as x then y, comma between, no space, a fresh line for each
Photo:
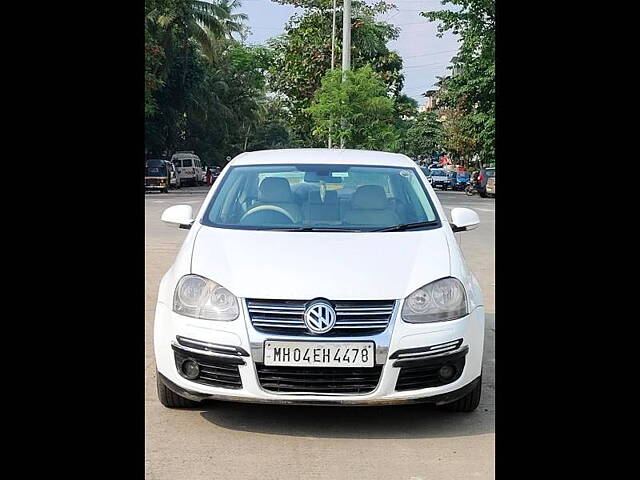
177,163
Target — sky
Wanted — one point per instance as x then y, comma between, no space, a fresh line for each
425,56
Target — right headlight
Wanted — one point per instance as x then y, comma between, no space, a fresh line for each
438,301
199,297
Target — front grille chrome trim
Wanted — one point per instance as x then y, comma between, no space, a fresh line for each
354,317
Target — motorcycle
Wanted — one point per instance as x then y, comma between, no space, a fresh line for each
471,189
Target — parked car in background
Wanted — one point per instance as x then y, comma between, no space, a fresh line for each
483,178
325,319
157,175
189,168
440,178
173,183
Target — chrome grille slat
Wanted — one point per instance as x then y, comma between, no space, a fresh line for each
279,325
361,311
352,317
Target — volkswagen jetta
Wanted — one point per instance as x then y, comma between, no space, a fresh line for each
319,276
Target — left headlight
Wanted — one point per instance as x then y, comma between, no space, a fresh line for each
438,301
199,297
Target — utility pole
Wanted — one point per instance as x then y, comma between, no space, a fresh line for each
346,46
333,48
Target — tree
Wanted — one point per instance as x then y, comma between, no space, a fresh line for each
356,110
302,56
201,95
459,136
471,91
424,136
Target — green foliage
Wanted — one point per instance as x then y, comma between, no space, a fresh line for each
204,90
471,92
459,136
356,110
424,137
302,56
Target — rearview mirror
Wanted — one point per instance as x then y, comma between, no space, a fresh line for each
180,214
463,219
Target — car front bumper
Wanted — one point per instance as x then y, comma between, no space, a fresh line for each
399,336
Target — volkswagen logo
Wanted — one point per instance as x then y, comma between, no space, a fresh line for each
319,317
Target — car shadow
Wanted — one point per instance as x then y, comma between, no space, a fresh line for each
400,421
397,421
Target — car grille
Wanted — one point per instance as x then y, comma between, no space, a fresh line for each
318,379
152,182
213,371
353,318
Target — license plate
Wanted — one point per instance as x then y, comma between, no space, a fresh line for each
319,354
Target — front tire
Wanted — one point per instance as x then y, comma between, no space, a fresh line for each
170,399
468,403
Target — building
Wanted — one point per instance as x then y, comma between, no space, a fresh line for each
430,103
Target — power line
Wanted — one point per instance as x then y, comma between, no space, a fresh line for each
429,54
426,65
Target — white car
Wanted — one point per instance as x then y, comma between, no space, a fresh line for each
319,276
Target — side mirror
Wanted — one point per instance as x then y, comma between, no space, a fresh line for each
463,219
180,214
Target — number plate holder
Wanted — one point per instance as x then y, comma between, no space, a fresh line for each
319,354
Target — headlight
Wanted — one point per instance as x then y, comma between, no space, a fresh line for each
442,300
199,297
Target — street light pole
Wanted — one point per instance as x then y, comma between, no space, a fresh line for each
333,48
346,37
346,46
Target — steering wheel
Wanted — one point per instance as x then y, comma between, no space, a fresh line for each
261,208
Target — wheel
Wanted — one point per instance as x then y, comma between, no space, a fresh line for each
482,194
445,188
170,399
470,191
468,403
165,190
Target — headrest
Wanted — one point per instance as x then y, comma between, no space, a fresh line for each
275,189
330,197
369,197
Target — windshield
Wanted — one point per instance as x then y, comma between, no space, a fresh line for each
155,168
490,172
322,197
438,173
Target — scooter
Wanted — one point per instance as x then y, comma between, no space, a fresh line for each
470,189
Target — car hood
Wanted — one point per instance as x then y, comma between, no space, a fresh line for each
332,265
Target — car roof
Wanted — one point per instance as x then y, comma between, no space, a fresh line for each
323,155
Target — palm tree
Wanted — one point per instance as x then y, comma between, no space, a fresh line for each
203,21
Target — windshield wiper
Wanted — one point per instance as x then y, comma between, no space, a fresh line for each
315,229
406,226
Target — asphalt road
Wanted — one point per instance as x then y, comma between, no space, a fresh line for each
264,442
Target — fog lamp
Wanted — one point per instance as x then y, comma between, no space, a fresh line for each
190,369
447,372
